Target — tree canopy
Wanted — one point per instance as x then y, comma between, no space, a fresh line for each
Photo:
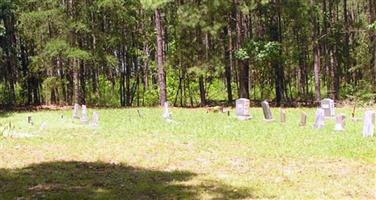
193,52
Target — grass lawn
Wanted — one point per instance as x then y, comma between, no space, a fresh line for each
200,156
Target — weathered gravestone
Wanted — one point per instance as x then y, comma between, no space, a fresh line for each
369,124
30,120
328,106
166,113
340,122
242,109
268,116
84,115
139,113
95,121
76,111
320,119
283,115
303,119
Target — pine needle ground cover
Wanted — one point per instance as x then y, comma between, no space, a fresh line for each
198,156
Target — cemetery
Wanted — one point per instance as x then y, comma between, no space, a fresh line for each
167,152
187,100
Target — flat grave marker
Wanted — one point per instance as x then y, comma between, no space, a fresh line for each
43,126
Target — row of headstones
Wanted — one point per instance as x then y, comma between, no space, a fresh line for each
327,110
84,115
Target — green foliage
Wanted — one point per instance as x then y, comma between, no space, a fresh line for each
153,4
56,48
151,97
53,84
259,51
372,26
242,54
362,93
2,30
78,54
43,39
263,51
110,4
108,95
79,27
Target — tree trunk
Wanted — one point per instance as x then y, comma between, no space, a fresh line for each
228,61
277,65
317,67
160,57
372,19
317,52
202,90
243,64
76,81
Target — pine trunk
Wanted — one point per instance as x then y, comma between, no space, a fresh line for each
160,57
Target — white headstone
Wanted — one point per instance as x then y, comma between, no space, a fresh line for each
340,122
320,119
369,124
329,108
76,111
266,110
283,115
84,115
242,109
95,119
166,113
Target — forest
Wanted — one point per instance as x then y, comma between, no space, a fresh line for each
188,52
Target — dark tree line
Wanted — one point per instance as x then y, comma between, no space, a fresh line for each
190,52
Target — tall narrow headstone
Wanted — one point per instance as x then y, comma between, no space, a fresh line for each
84,115
340,122
329,108
139,113
166,113
95,119
266,110
30,120
369,124
76,111
283,115
320,119
303,119
242,109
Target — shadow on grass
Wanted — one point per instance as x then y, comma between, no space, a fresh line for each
83,180
4,114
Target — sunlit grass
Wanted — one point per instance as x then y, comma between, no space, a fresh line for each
252,159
